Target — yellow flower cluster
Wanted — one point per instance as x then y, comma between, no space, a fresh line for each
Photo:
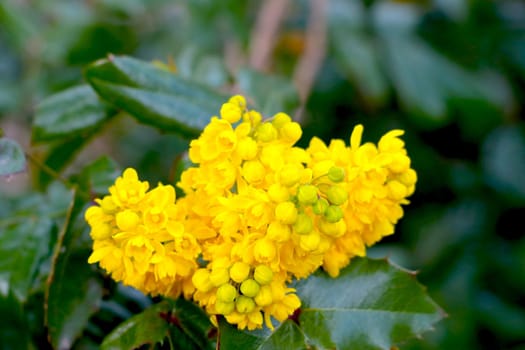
139,238
258,211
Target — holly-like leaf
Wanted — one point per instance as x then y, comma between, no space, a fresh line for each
286,336
148,327
153,95
12,158
371,305
69,113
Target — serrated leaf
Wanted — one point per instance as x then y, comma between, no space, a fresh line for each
148,327
12,158
154,96
73,291
69,113
270,93
286,336
371,305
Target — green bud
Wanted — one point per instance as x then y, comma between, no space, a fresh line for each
336,174
226,293
263,274
224,308
336,195
320,206
244,304
250,288
303,225
307,194
333,213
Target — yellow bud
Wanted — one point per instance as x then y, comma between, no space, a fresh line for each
219,276
244,304
280,119
127,220
336,174
108,204
307,194
331,229
101,231
279,232
333,213
253,117
291,132
247,148
226,293
263,274
264,250
238,100
290,174
336,195
397,189
266,132
231,112
224,308
239,271
320,206
310,242
253,171
250,288
278,193
264,297
304,224
286,212
408,177
201,280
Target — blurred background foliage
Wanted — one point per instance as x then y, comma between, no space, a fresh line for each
449,72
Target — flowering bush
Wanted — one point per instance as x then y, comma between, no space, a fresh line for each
258,213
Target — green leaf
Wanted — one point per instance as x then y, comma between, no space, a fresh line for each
12,158
148,327
428,84
358,57
28,232
154,96
270,93
193,323
97,177
69,113
73,290
502,158
371,305
286,336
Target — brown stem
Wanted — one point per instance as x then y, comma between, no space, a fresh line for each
315,50
263,40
